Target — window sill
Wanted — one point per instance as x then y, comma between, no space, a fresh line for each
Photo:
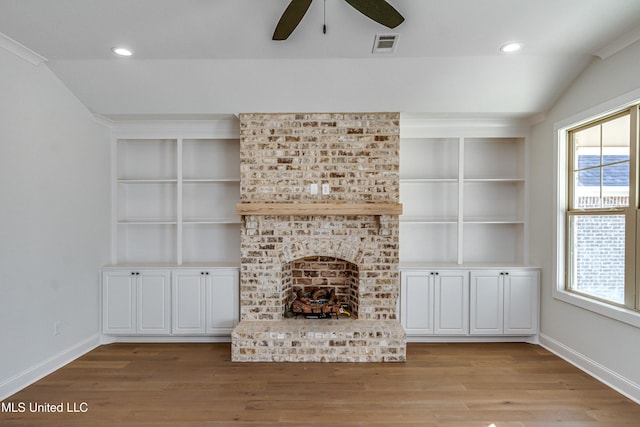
620,314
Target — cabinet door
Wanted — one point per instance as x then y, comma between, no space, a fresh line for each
521,303
188,303
118,302
416,302
223,301
153,303
486,303
451,303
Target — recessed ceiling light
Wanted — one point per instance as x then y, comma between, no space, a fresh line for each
511,47
121,51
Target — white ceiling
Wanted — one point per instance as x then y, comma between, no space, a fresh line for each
447,59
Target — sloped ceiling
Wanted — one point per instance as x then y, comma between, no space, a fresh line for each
217,56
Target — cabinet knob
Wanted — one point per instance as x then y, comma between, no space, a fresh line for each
437,273
202,273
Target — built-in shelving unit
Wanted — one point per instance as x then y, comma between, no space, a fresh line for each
464,193
175,189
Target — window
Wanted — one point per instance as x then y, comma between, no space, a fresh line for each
602,232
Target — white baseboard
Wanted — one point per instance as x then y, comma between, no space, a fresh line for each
44,368
159,339
600,372
532,339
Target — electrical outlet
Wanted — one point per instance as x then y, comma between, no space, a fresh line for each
325,189
313,189
57,327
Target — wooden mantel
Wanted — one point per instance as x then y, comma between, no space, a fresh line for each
319,208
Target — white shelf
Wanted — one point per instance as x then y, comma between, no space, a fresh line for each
464,200
427,180
427,220
212,180
429,158
227,220
147,181
429,242
146,159
487,158
174,198
506,179
217,159
147,221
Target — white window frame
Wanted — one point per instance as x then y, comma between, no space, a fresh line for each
560,198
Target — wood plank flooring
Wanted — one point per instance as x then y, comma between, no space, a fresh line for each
505,384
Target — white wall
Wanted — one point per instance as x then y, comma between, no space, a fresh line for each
54,222
606,347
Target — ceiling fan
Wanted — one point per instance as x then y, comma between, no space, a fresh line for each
378,10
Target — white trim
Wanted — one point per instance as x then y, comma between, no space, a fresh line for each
44,368
600,372
225,127
530,339
110,339
434,126
20,50
619,44
620,314
559,209
102,120
598,111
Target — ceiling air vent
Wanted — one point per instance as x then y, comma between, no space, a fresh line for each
385,43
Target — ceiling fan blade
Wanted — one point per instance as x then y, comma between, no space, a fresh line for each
378,10
290,19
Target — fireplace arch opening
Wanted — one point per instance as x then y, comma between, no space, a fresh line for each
320,287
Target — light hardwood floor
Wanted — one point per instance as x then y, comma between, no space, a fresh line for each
508,384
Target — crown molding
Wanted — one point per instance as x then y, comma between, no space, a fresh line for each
20,50
171,126
619,44
443,126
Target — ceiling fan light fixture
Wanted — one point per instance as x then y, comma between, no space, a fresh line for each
511,47
385,43
122,51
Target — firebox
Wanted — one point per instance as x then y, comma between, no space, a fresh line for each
320,287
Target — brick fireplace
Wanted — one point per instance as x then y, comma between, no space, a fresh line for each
345,237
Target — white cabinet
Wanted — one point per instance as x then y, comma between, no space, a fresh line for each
451,303
416,303
205,302
504,302
223,301
466,196
119,303
460,302
188,302
435,302
136,302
